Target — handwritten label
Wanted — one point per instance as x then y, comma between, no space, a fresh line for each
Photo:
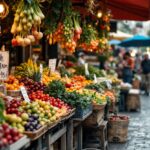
4,64
24,94
52,64
86,69
95,78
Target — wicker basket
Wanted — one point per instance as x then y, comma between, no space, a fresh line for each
36,134
136,84
118,130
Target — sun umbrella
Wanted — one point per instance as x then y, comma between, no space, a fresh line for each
136,41
114,42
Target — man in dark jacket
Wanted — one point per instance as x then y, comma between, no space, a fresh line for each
146,73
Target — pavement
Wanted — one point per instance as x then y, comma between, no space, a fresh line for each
139,129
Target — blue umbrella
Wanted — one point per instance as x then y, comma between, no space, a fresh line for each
136,41
114,42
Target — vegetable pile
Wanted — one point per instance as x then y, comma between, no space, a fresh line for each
27,20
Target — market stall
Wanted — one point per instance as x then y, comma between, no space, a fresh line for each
51,104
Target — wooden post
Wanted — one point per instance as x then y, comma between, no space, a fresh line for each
79,135
63,142
70,135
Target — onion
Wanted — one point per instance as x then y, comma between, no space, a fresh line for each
14,28
16,18
24,20
29,25
40,35
25,27
19,28
27,41
31,37
20,40
35,33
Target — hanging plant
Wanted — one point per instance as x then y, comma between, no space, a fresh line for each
27,21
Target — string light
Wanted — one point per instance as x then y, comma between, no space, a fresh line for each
99,14
2,8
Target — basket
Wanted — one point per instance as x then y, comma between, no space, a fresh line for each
36,134
118,131
136,84
14,93
81,113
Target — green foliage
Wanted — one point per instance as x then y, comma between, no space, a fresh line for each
77,100
80,70
56,88
64,72
99,87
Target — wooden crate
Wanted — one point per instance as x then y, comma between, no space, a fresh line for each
36,134
133,100
96,116
118,131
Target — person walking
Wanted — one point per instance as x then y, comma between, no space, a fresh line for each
145,65
128,66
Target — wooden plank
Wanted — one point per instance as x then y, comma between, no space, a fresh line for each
79,134
57,135
63,142
70,135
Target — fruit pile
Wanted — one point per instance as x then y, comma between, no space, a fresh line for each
118,118
33,123
45,113
12,83
8,135
32,86
56,102
12,107
111,95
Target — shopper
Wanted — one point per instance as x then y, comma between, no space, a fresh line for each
146,73
138,61
81,59
128,66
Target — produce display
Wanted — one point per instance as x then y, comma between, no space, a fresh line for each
111,96
118,117
8,135
28,18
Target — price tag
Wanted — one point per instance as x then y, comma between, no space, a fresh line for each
4,64
24,94
108,85
95,78
52,64
86,69
59,63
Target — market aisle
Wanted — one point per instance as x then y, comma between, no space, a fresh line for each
139,129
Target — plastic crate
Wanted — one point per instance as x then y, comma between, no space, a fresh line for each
83,112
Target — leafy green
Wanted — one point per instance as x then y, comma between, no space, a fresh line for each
56,88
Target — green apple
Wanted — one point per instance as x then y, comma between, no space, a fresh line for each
25,116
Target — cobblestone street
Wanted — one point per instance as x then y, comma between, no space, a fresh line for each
139,129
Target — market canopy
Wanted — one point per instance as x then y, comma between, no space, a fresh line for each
136,41
130,9
121,9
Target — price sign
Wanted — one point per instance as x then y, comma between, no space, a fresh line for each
24,94
4,64
52,64
95,78
41,71
86,69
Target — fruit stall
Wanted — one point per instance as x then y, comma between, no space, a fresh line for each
46,104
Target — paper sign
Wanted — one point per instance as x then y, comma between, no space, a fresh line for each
86,69
108,85
59,63
95,78
41,71
24,94
52,64
4,64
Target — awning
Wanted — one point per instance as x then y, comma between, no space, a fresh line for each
130,9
